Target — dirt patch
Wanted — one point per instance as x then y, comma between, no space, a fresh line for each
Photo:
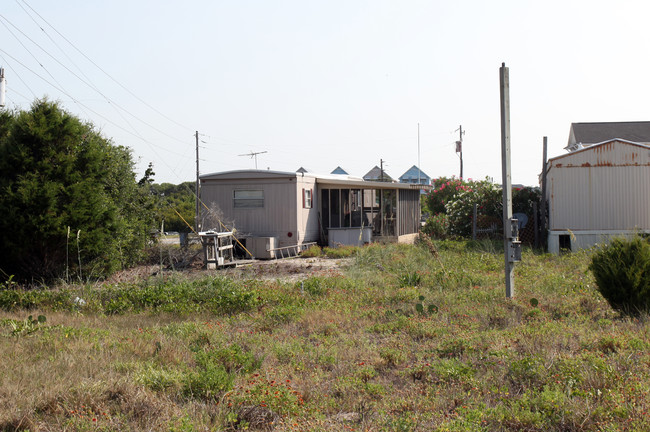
286,270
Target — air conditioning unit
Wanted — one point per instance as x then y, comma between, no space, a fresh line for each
261,247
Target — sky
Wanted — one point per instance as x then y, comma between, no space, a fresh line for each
321,84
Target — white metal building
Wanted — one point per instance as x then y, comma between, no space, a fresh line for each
598,192
284,209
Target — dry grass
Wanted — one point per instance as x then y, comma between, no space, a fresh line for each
344,350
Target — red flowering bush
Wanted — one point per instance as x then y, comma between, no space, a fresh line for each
445,189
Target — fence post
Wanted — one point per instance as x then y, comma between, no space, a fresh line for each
474,224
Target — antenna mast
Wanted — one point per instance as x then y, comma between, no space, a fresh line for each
253,155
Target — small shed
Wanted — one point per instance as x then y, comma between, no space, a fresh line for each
285,209
598,192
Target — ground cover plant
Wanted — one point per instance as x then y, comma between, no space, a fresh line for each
405,338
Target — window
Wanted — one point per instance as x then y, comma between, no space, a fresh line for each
249,198
307,198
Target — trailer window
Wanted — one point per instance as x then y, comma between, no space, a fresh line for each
249,199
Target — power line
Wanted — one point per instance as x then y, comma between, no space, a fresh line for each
90,109
90,85
21,80
104,72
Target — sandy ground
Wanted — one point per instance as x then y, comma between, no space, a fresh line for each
287,269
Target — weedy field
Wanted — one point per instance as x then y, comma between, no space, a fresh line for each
401,339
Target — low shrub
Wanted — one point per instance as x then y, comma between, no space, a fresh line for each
437,226
312,252
622,273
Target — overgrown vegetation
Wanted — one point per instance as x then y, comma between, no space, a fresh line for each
622,272
408,338
71,205
451,206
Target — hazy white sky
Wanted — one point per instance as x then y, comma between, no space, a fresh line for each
326,83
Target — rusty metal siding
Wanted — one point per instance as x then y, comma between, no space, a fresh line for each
605,187
277,218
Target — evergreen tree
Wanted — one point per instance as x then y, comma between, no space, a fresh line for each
58,172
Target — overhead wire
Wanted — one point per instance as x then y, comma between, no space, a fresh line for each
88,108
91,86
20,78
104,72
60,88
151,145
33,56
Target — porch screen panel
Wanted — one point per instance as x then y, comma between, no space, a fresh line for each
409,211
325,209
335,208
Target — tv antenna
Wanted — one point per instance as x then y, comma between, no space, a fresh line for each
253,155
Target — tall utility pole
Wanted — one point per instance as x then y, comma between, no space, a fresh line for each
511,244
197,222
459,148
381,170
542,211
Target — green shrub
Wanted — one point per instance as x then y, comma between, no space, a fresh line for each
622,273
209,382
313,252
487,197
437,226
70,201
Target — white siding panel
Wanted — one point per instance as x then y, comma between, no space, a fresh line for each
307,219
276,219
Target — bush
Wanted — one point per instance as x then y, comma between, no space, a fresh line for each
312,252
69,197
437,226
487,197
444,190
622,273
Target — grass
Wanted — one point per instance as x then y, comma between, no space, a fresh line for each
347,351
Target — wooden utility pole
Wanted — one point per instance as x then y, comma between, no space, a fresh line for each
459,149
543,224
197,221
510,227
381,170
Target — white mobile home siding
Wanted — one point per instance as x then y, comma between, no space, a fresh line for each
604,187
307,218
277,218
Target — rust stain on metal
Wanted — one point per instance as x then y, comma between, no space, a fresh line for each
605,164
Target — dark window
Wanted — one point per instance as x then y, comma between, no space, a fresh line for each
248,198
565,242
